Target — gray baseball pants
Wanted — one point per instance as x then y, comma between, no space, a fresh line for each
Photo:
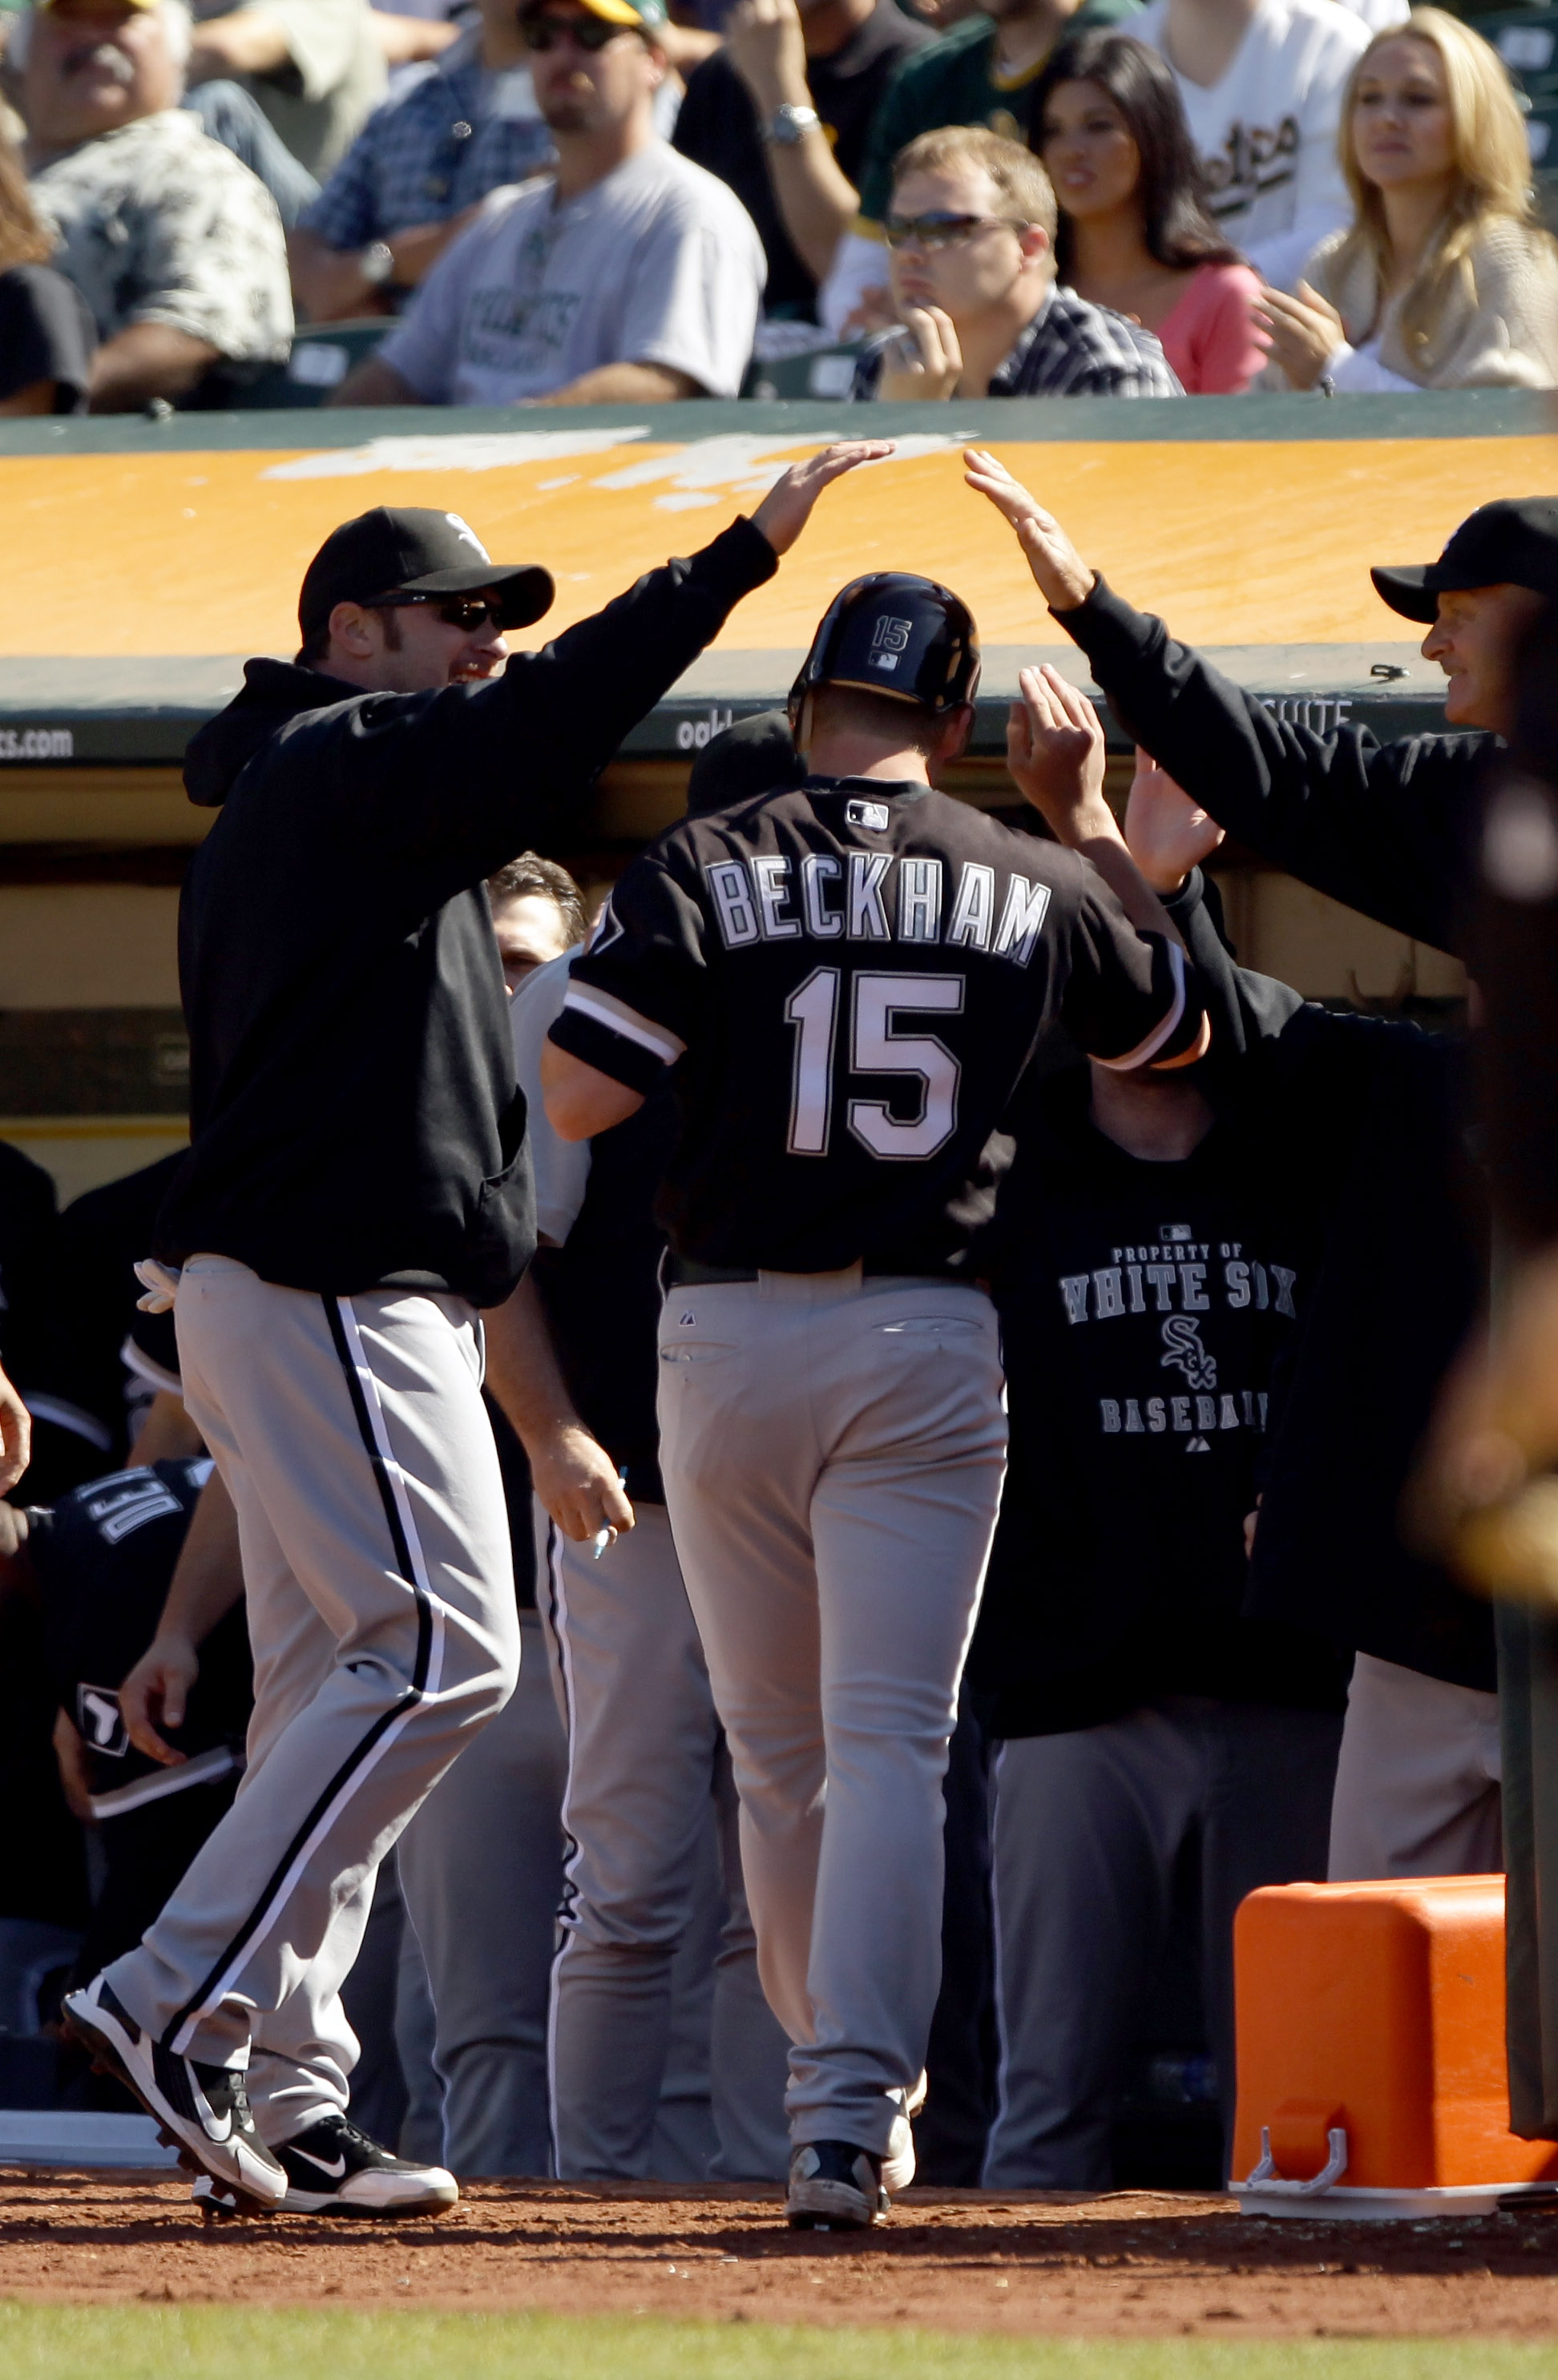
833,1447
1418,1784
480,1871
351,1436
1088,1826
644,1762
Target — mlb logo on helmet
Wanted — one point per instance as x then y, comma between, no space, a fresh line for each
890,641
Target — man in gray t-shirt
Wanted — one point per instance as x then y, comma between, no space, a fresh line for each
630,276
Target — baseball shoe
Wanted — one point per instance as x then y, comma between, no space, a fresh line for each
334,2168
897,2166
834,2187
203,2110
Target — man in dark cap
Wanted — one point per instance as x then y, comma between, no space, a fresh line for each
357,1187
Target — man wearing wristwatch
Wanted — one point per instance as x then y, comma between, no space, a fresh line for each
781,113
417,171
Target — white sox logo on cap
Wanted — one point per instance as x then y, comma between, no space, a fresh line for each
467,535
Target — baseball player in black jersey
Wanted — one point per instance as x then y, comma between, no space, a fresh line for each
357,1188
846,981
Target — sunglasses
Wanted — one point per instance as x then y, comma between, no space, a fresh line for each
934,232
590,33
456,611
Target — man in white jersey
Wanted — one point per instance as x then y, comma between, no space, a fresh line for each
1262,82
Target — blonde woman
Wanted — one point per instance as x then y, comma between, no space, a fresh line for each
1444,279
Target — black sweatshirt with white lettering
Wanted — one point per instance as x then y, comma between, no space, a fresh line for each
1144,1308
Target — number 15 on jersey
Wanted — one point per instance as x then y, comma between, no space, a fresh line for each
878,1044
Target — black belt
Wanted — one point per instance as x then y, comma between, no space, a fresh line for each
687,1272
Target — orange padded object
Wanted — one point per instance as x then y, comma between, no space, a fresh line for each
1378,2007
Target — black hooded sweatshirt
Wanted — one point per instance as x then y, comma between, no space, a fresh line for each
354,1116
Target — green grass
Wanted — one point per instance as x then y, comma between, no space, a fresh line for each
205,2342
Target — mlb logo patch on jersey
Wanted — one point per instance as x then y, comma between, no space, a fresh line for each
874,815
100,1722
1176,1232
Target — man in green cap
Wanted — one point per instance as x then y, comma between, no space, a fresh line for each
630,276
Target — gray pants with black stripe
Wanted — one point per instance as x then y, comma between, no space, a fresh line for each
351,1437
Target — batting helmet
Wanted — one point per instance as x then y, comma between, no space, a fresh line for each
895,634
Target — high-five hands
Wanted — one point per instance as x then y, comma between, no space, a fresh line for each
786,508
1166,832
1059,572
1055,752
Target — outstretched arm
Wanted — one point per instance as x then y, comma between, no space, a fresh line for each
1380,828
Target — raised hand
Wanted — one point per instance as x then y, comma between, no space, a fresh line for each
924,359
764,42
1054,750
1059,572
1166,832
786,508
16,1435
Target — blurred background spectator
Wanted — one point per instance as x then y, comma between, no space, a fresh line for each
176,247
1134,234
419,170
783,114
46,333
981,72
1262,82
970,233
629,277
316,68
1443,278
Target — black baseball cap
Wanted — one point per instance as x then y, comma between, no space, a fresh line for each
899,635
753,755
1511,544
410,549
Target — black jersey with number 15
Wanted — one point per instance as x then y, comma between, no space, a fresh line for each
849,979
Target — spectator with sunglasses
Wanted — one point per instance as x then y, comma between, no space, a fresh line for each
971,247
629,277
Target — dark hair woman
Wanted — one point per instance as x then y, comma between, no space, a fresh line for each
1108,124
46,333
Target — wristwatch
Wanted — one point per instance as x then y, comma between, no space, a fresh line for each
376,264
788,125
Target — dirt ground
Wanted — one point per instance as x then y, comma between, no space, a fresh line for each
1132,2264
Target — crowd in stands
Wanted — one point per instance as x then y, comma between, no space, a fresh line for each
556,202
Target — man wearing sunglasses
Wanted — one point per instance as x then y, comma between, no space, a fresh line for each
971,237
357,1187
629,277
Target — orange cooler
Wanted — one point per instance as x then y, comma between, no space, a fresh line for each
1371,2076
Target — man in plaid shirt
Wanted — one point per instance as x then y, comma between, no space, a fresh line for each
417,171
971,237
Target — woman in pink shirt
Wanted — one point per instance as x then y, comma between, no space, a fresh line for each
1110,127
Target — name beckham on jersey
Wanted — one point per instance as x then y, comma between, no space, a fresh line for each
1180,1280
829,899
